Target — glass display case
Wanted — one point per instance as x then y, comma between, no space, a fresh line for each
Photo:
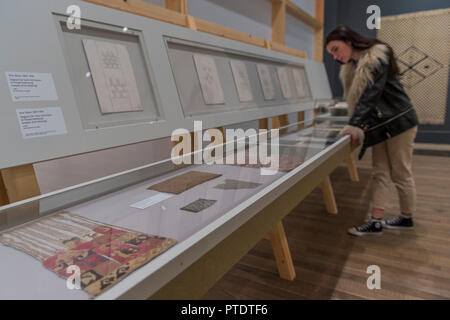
133,226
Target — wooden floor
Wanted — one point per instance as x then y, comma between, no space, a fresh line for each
330,264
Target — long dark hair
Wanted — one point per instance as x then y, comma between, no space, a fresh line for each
359,42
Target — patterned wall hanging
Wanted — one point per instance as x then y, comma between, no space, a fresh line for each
421,43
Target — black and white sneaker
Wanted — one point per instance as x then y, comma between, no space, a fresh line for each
372,228
399,222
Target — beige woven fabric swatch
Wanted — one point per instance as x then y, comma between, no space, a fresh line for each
183,182
231,184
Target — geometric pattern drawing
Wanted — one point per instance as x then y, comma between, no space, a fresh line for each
285,81
266,81
105,254
113,76
301,84
241,80
421,43
209,79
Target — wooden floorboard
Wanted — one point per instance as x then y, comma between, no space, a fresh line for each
330,264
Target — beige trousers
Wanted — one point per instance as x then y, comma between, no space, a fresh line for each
392,160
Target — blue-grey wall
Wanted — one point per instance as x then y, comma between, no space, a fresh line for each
352,13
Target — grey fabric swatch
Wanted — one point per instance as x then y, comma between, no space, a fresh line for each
230,184
198,205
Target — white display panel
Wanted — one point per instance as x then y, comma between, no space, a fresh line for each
60,55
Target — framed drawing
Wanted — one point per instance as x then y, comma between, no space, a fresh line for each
113,76
241,80
209,79
266,81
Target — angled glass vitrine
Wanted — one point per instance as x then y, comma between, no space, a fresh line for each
198,218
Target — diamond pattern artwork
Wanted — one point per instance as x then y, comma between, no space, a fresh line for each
415,66
428,66
422,46
411,56
402,67
410,78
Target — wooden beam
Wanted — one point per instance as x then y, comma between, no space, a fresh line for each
288,50
319,11
302,15
176,5
144,9
209,27
3,194
263,123
278,21
301,118
191,24
19,183
318,33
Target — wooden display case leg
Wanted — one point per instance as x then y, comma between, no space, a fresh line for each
352,170
3,194
264,123
280,121
19,183
281,251
301,118
328,196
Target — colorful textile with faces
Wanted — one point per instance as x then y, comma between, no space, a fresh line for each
104,254
108,259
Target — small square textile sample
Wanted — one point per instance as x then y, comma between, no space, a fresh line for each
199,205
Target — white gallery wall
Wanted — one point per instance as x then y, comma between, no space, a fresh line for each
248,16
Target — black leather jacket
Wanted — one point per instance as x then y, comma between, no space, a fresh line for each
384,109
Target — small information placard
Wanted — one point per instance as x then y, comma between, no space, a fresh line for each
143,204
43,122
27,86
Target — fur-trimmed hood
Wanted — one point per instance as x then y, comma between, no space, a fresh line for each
356,77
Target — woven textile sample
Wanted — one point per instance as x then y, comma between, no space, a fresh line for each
183,182
199,205
421,43
230,184
285,162
105,254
